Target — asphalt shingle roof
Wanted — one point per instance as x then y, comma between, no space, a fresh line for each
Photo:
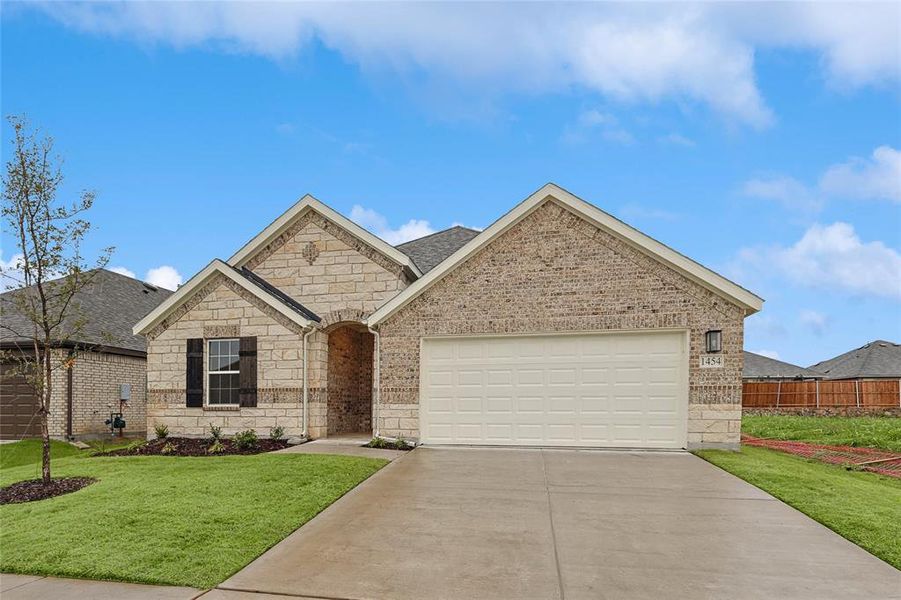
111,304
430,250
760,367
876,359
288,300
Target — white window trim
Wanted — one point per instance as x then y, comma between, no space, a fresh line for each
209,373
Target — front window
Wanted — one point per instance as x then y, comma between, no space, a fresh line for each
224,372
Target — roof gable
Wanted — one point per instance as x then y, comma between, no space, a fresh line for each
758,366
292,310
879,358
692,270
309,203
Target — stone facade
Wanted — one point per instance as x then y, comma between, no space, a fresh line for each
329,270
555,272
332,273
223,309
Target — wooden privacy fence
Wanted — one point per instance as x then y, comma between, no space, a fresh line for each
822,394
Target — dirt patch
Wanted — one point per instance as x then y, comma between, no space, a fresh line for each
179,446
883,462
34,489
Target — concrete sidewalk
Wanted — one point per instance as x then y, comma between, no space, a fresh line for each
31,587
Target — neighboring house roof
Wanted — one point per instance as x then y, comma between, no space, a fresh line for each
430,250
764,367
111,304
289,308
698,273
309,203
876,359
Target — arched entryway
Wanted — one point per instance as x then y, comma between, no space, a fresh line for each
350,349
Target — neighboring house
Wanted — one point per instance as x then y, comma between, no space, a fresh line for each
877,360
764,368
557,325
105,355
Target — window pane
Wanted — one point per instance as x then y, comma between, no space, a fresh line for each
224,388
230,363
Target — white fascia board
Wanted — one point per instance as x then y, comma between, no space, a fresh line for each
308,203
185,291
691,269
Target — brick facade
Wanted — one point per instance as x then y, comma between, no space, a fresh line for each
95,392
555,272
349,380
551,272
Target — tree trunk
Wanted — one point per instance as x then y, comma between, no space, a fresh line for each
45,417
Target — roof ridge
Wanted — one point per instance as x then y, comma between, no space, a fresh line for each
437,232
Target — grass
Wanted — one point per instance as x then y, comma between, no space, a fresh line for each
873,432
170,520
862,507
28,452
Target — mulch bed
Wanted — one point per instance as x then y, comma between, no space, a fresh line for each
34,489
179,446
883,462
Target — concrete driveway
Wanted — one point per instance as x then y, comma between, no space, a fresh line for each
485,523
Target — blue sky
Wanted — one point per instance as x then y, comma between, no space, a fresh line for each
761,140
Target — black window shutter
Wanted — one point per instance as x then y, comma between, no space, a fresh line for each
194,371
248,377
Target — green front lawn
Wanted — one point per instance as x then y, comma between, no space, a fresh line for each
179,521
873,432
863,507
28,452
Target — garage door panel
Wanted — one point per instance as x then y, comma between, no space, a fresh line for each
567,390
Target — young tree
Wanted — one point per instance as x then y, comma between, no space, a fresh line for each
50,268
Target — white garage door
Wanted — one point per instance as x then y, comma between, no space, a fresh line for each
602,390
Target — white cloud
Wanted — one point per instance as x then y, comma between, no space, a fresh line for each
860,179
122,271
768,353
676,139
702,53
606,124
833,257
11,272
378,224
164,277
788,191
879,178
816,322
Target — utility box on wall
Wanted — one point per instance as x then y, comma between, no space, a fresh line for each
125,391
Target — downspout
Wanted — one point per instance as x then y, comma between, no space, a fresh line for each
306,334
378,381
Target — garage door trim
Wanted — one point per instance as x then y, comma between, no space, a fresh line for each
683,384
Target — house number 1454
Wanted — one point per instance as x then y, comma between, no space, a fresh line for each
712,361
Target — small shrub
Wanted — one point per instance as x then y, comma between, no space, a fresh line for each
168,448
378,442
215,433
216,447
245,440
401,444
277,433
135,445
161,430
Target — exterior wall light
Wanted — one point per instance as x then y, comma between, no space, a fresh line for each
714,340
